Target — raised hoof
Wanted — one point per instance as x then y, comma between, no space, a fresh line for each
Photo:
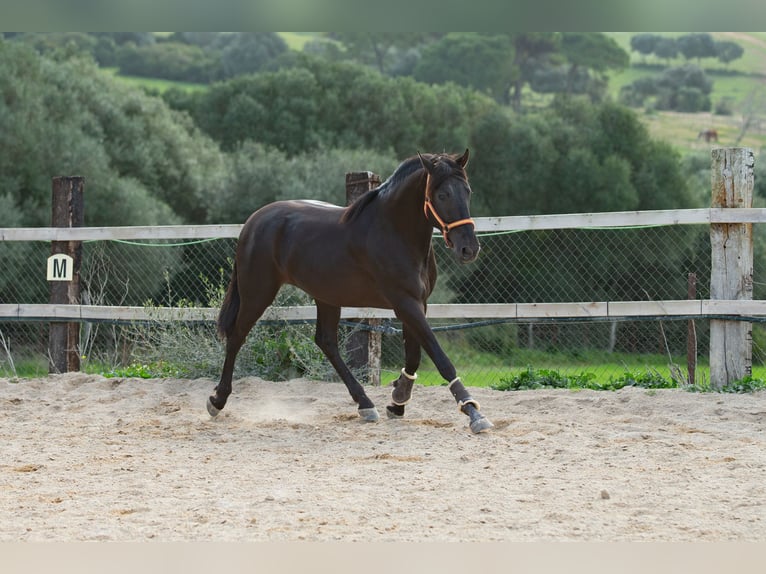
369,415
211,408
480,425
395,411
402,392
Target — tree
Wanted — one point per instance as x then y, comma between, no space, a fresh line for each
481,61
666,48
644,44
684,88
378,48
727,51
317,103
596,52
696,46
530,50
752,112
249,52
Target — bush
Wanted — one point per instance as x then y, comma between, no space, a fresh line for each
724,107
683,88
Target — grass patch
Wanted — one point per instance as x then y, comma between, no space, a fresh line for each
531,379
154,84
155,370
547,379
25,368
592,369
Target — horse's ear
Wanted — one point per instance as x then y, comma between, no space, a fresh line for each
427,165
463,159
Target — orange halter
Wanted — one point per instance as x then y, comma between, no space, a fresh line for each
445,227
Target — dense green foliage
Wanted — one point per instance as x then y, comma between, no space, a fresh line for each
697,46
319,104
685,89
471,60
143,163
201,57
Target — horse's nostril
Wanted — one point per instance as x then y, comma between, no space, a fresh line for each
467,254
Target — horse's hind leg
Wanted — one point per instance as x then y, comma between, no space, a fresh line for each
251,307
402,391
328,318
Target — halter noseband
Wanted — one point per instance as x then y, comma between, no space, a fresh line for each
445,227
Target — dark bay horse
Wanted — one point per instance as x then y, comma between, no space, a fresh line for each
375,253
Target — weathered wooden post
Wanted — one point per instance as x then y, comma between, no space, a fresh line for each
64,273
691,333
364,347
731,275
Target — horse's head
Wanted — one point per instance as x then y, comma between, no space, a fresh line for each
447,200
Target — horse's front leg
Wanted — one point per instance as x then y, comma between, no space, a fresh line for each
402,391
413,317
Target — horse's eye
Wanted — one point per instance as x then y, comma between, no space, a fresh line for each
442,195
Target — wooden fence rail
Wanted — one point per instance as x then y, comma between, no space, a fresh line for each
519,312
515,223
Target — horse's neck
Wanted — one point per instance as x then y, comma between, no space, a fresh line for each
405,208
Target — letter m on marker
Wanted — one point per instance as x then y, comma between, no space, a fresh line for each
59,268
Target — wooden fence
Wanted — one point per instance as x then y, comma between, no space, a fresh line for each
731,304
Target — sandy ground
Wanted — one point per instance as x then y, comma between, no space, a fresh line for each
89,458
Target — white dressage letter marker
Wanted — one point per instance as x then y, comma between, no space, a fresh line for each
60,267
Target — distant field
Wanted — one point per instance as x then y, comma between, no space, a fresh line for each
297,40
734,81
154,83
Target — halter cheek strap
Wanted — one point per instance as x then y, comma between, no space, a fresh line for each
445,227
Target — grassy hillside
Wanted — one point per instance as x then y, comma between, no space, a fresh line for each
741,80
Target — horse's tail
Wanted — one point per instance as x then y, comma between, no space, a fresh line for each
230,307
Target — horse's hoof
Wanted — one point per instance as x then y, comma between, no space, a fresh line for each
395,411
369,415
480,425
211,408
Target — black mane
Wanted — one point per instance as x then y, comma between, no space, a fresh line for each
445,168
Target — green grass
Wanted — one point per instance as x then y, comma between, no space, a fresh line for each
298,40
532,379
25,368
609,377
154,83
599,369
542,370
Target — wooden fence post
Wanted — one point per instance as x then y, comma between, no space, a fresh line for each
691,333
731,275
68,211
364,347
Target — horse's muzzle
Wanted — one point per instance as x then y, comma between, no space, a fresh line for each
467,254
465,246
